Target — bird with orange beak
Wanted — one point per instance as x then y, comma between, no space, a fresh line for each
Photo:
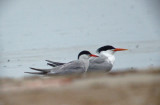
105,60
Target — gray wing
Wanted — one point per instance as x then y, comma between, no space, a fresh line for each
99,64
69,68
97,60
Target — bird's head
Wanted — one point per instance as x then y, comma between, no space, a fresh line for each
108,49
85,55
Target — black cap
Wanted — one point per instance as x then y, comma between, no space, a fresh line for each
105,48
84,52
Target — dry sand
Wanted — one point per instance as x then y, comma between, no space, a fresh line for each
118,88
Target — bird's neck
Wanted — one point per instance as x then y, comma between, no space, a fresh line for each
86,63
108,55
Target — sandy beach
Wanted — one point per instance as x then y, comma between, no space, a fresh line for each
117,88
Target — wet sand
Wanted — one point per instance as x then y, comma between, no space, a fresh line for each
117,88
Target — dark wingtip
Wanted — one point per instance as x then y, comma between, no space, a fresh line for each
28,72
49,61
51,64
34,72
41,70
33,68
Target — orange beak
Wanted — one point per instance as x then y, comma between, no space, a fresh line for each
119,49
92,55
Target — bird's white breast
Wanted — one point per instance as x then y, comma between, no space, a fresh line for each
109,56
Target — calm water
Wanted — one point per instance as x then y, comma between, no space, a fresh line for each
33,31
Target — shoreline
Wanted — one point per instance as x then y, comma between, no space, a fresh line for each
116,88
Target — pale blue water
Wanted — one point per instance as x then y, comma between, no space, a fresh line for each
33,31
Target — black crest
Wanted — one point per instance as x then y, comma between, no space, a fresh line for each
84,52
104,48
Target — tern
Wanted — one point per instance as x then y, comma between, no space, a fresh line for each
77,66
104,62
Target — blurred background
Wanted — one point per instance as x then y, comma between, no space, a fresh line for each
32,31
